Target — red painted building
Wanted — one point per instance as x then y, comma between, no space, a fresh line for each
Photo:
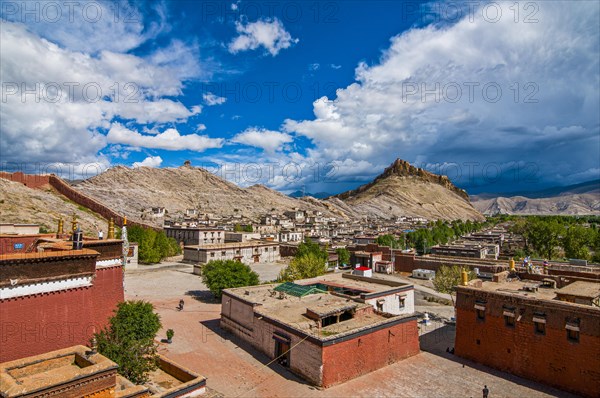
326,332
57,298
533,331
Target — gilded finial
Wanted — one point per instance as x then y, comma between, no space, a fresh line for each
111,229
74,223
125,220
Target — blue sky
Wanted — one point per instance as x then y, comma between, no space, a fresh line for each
322,95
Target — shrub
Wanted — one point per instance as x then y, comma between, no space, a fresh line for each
129,340
224,274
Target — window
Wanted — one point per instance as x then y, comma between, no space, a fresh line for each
480,310
401,301
380,305
540,328
222,253
539,320
509,317
573,335
212,254
481,314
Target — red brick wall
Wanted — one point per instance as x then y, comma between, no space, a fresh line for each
36,324
29,180
549,359
361,355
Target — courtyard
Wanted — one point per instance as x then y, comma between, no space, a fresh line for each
237,370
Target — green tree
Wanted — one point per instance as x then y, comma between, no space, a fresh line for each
153,245
387,240
343,255
310,247
237,228
576,240
248,228
544,236
224,274
308,265
446,278
128,340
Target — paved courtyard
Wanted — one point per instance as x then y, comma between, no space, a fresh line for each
236,370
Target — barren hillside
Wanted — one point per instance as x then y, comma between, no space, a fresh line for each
19,204
403,189
134,192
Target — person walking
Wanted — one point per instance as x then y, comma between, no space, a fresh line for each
180,307
486,391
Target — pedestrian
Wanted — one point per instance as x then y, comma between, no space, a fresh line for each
100,235
486,391
180,307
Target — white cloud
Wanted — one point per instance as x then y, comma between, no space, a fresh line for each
91,26
211,99
170,139
201,127
389,113
150,161
334,66
268,140
267,33
79,95
314,66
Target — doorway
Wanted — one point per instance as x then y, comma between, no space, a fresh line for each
282,353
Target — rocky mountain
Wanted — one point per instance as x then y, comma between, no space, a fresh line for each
579,199
20,204
134,192
403,189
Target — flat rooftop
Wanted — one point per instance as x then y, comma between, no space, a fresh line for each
581,289
32,374
520,288
366,284
292,311
231,245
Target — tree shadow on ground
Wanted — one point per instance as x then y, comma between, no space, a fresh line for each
435,339
213,326
204,296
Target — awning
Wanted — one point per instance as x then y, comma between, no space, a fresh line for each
508,313
480,307
538,319
572,327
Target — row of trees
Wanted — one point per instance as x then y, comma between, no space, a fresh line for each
436,233
153,245
546,236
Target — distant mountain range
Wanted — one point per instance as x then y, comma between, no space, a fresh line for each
318,195
578,199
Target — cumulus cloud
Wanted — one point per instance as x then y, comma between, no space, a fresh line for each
211,99
170,139
267,33
92,26
58,103
268,140
150,161
474,92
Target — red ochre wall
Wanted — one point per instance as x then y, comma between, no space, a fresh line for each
549,359
39,323
361,355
